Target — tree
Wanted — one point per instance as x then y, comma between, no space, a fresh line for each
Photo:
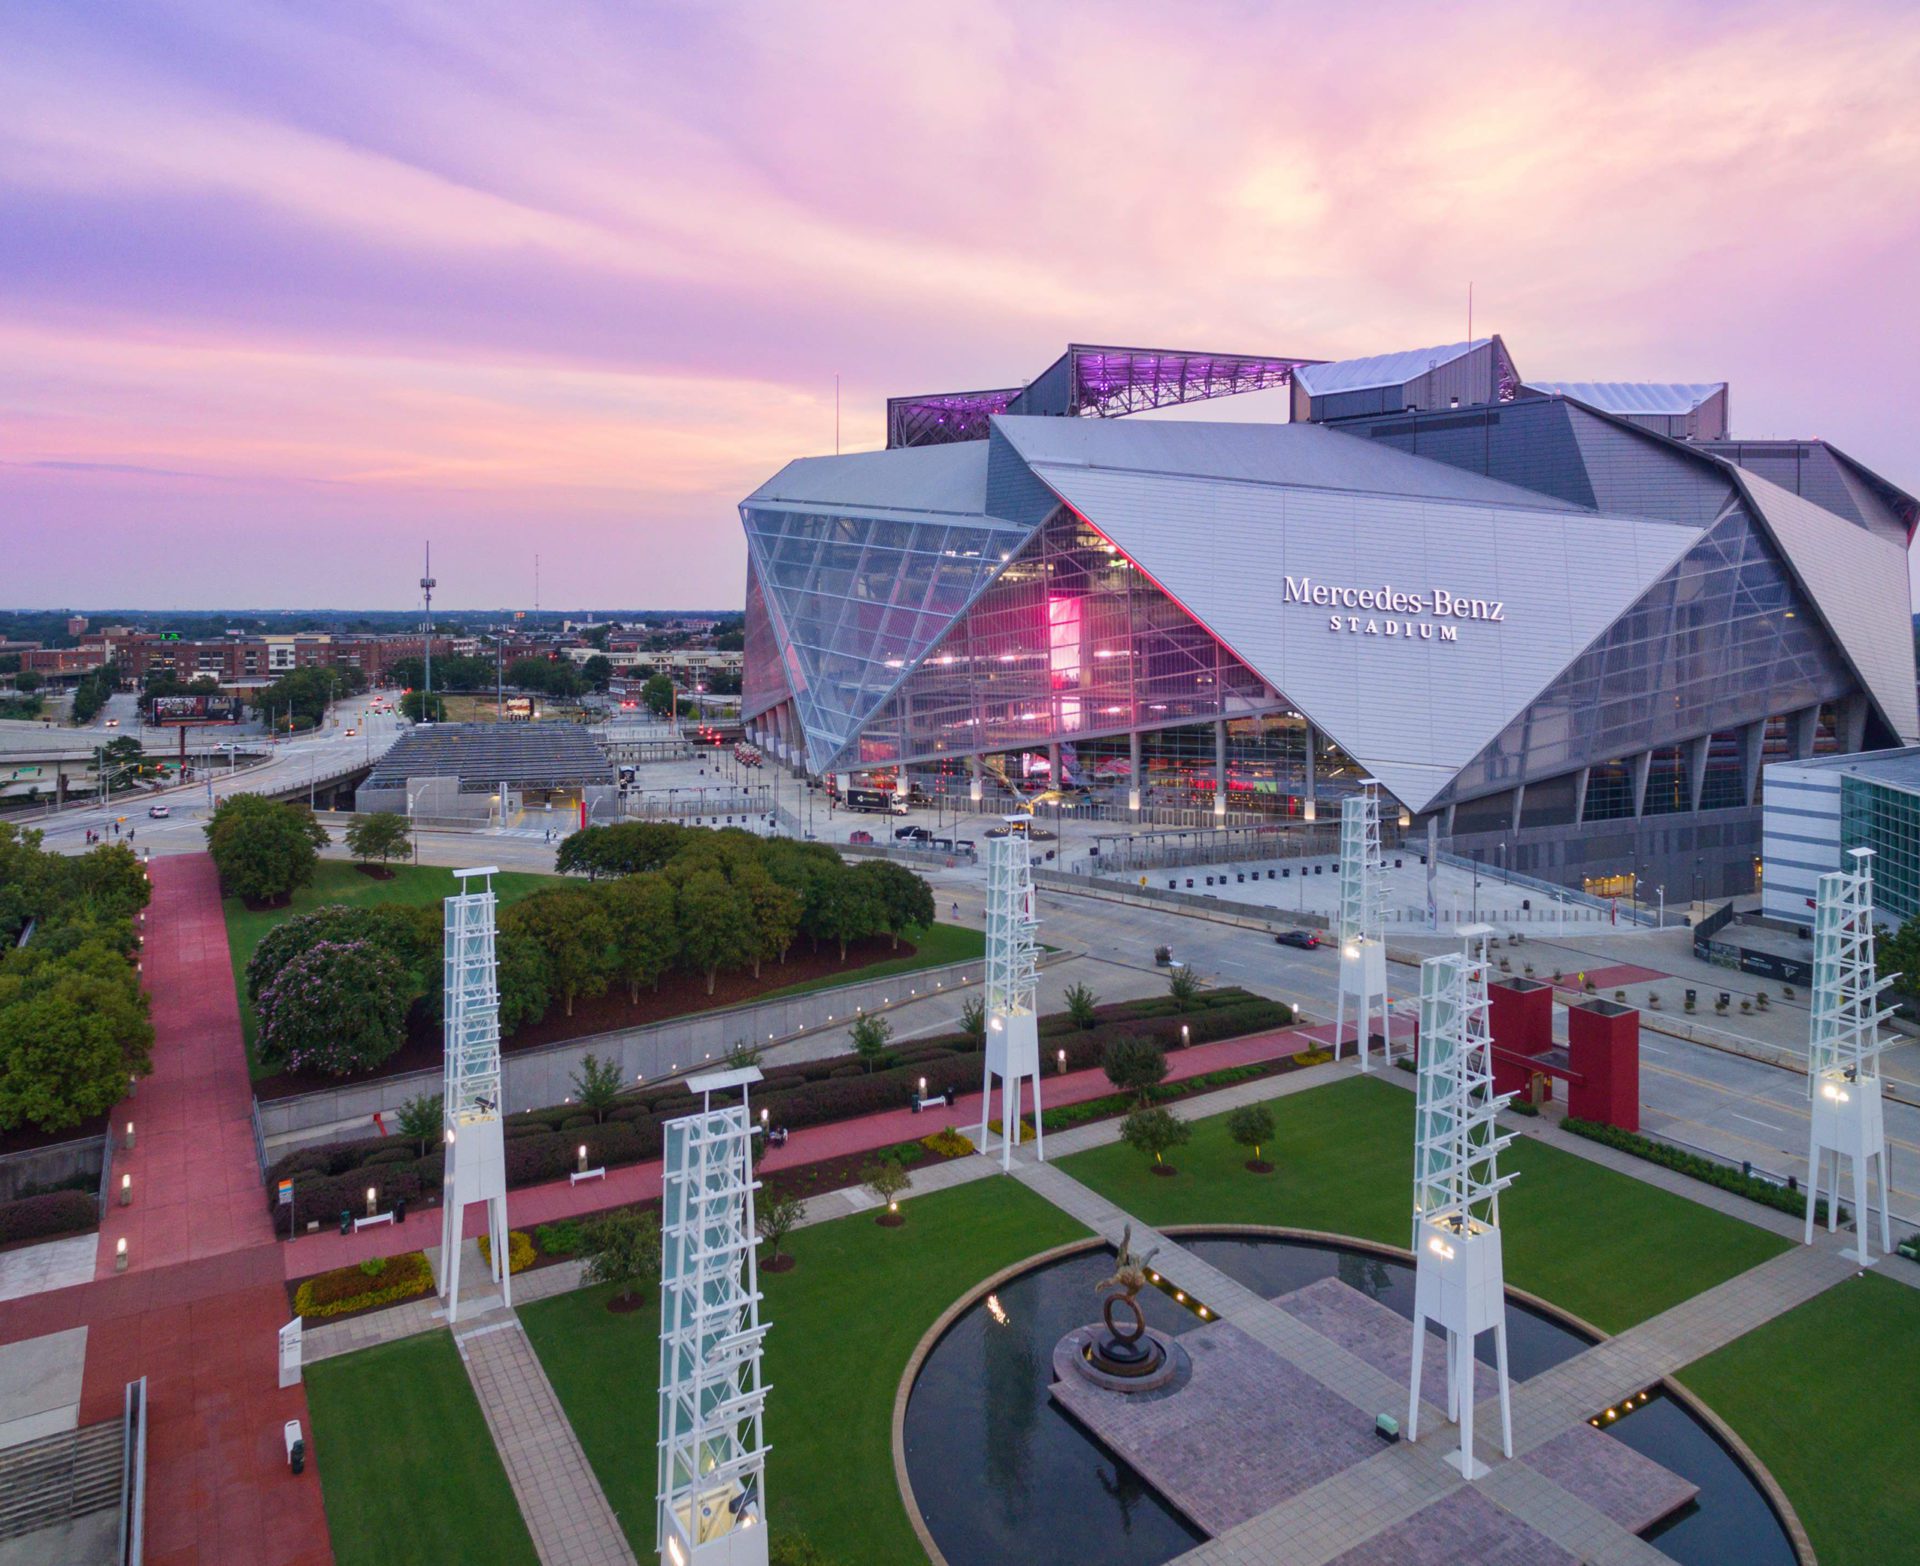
421,708
337,1007
622,1248
716,925
884,1179
106,883
1081,1002
1155,1132
640,913
1251,1125
263,850
28,680
91,694
423,1118
973,1019
869,1033
1183,984
573,930
381,836
525,993
597,671
626,849
657,693
73,1029
901,899
597,1086
776,913
775,1218
1136,1066
841,907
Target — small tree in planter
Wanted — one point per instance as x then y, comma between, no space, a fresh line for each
1156,1133
1760,1000
623,1248
1081,1002
1720,1005
1746,1006
596,1085
869,1033
1252,1126
423,1119
885,1180
1786,992
1136,1066
1556,975
1689,1000
1653,1000
1620,996
973,1019
775,1218
1184,985
1528,970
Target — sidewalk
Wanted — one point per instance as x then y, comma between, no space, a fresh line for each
539,1204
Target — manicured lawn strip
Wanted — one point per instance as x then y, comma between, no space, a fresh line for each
405,1457
844,1322
1821,1394
335,881
1611,1249
935,946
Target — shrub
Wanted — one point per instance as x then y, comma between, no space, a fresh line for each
520,1251
623,1248
973,1018
884,1179
560,1239
1313,1057
42,1217
597,1086
1183,984
1135,1065
1693,1165
1082,1005
1251,1126
577,1122
353,1288
777,1217
948,1143
869,1034
423,1118
338,1007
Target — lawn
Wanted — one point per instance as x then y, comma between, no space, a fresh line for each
935,946
844,1323
405,1458
1607,1247
336,881
1799,1392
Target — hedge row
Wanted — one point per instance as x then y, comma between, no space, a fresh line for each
379,1281
50,1214
544,1144
1696,1167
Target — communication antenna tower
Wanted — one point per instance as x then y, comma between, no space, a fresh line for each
427,585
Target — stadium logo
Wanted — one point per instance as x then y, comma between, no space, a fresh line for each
1386,605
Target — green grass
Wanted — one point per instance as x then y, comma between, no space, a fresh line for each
336,881
844,1323
1607,1247
936,946
1803,1391
405,1459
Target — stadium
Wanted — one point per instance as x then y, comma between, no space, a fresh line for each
1567,622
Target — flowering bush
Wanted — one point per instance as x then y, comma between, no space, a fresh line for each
345,1289
519,1251
338,1007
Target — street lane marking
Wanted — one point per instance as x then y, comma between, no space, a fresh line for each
1764,1125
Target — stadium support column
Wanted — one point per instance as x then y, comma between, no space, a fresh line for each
1308,808
1220,768
973,779
1361,925
1459,1281
470,1102
1843,1056
1133,771
1013,1023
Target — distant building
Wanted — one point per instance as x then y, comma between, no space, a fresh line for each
76,624
1818,809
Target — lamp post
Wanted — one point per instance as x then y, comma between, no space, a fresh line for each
1477,853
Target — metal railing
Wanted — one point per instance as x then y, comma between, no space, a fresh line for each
1554,889
105,1194
133,1476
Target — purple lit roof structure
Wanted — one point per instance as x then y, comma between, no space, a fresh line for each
1089,381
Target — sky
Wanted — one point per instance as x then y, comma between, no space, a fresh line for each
288,289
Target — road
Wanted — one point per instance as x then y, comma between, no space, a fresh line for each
353,733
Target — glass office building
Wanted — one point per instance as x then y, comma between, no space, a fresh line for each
1573,632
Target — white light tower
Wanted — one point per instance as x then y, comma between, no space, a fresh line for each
1013,1025
713,1451
1361,926
1458,1279
476,1169
1843,1056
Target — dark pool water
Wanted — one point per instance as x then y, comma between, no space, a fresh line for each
1002,1475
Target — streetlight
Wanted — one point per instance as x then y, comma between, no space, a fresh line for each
1477,854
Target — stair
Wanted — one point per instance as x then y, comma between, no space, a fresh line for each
47,1482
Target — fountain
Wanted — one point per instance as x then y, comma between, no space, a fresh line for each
1129,1356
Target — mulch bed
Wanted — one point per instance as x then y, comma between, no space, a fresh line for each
24,1138
1259,1166
890,1220
1165,1171
626,1307
377,872
268,904
781,1263
679,995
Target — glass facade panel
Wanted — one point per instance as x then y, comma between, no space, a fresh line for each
1724,786
1723,638
1609,791
1069,642
1887,820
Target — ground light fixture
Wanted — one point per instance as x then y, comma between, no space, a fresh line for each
126,1190
373,1198
120,1254
129,1136
583,1157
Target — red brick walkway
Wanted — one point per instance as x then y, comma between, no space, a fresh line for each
197,1311
640,1182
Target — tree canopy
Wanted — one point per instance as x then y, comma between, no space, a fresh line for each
263,849
381,836
337,1007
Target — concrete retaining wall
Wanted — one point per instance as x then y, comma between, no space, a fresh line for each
535,1078
50,1165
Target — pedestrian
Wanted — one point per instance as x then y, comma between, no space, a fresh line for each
129,834
956,910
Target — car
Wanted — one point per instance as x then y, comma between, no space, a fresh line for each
159,812
351,733
1306,940
112,723
915,834
859,837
